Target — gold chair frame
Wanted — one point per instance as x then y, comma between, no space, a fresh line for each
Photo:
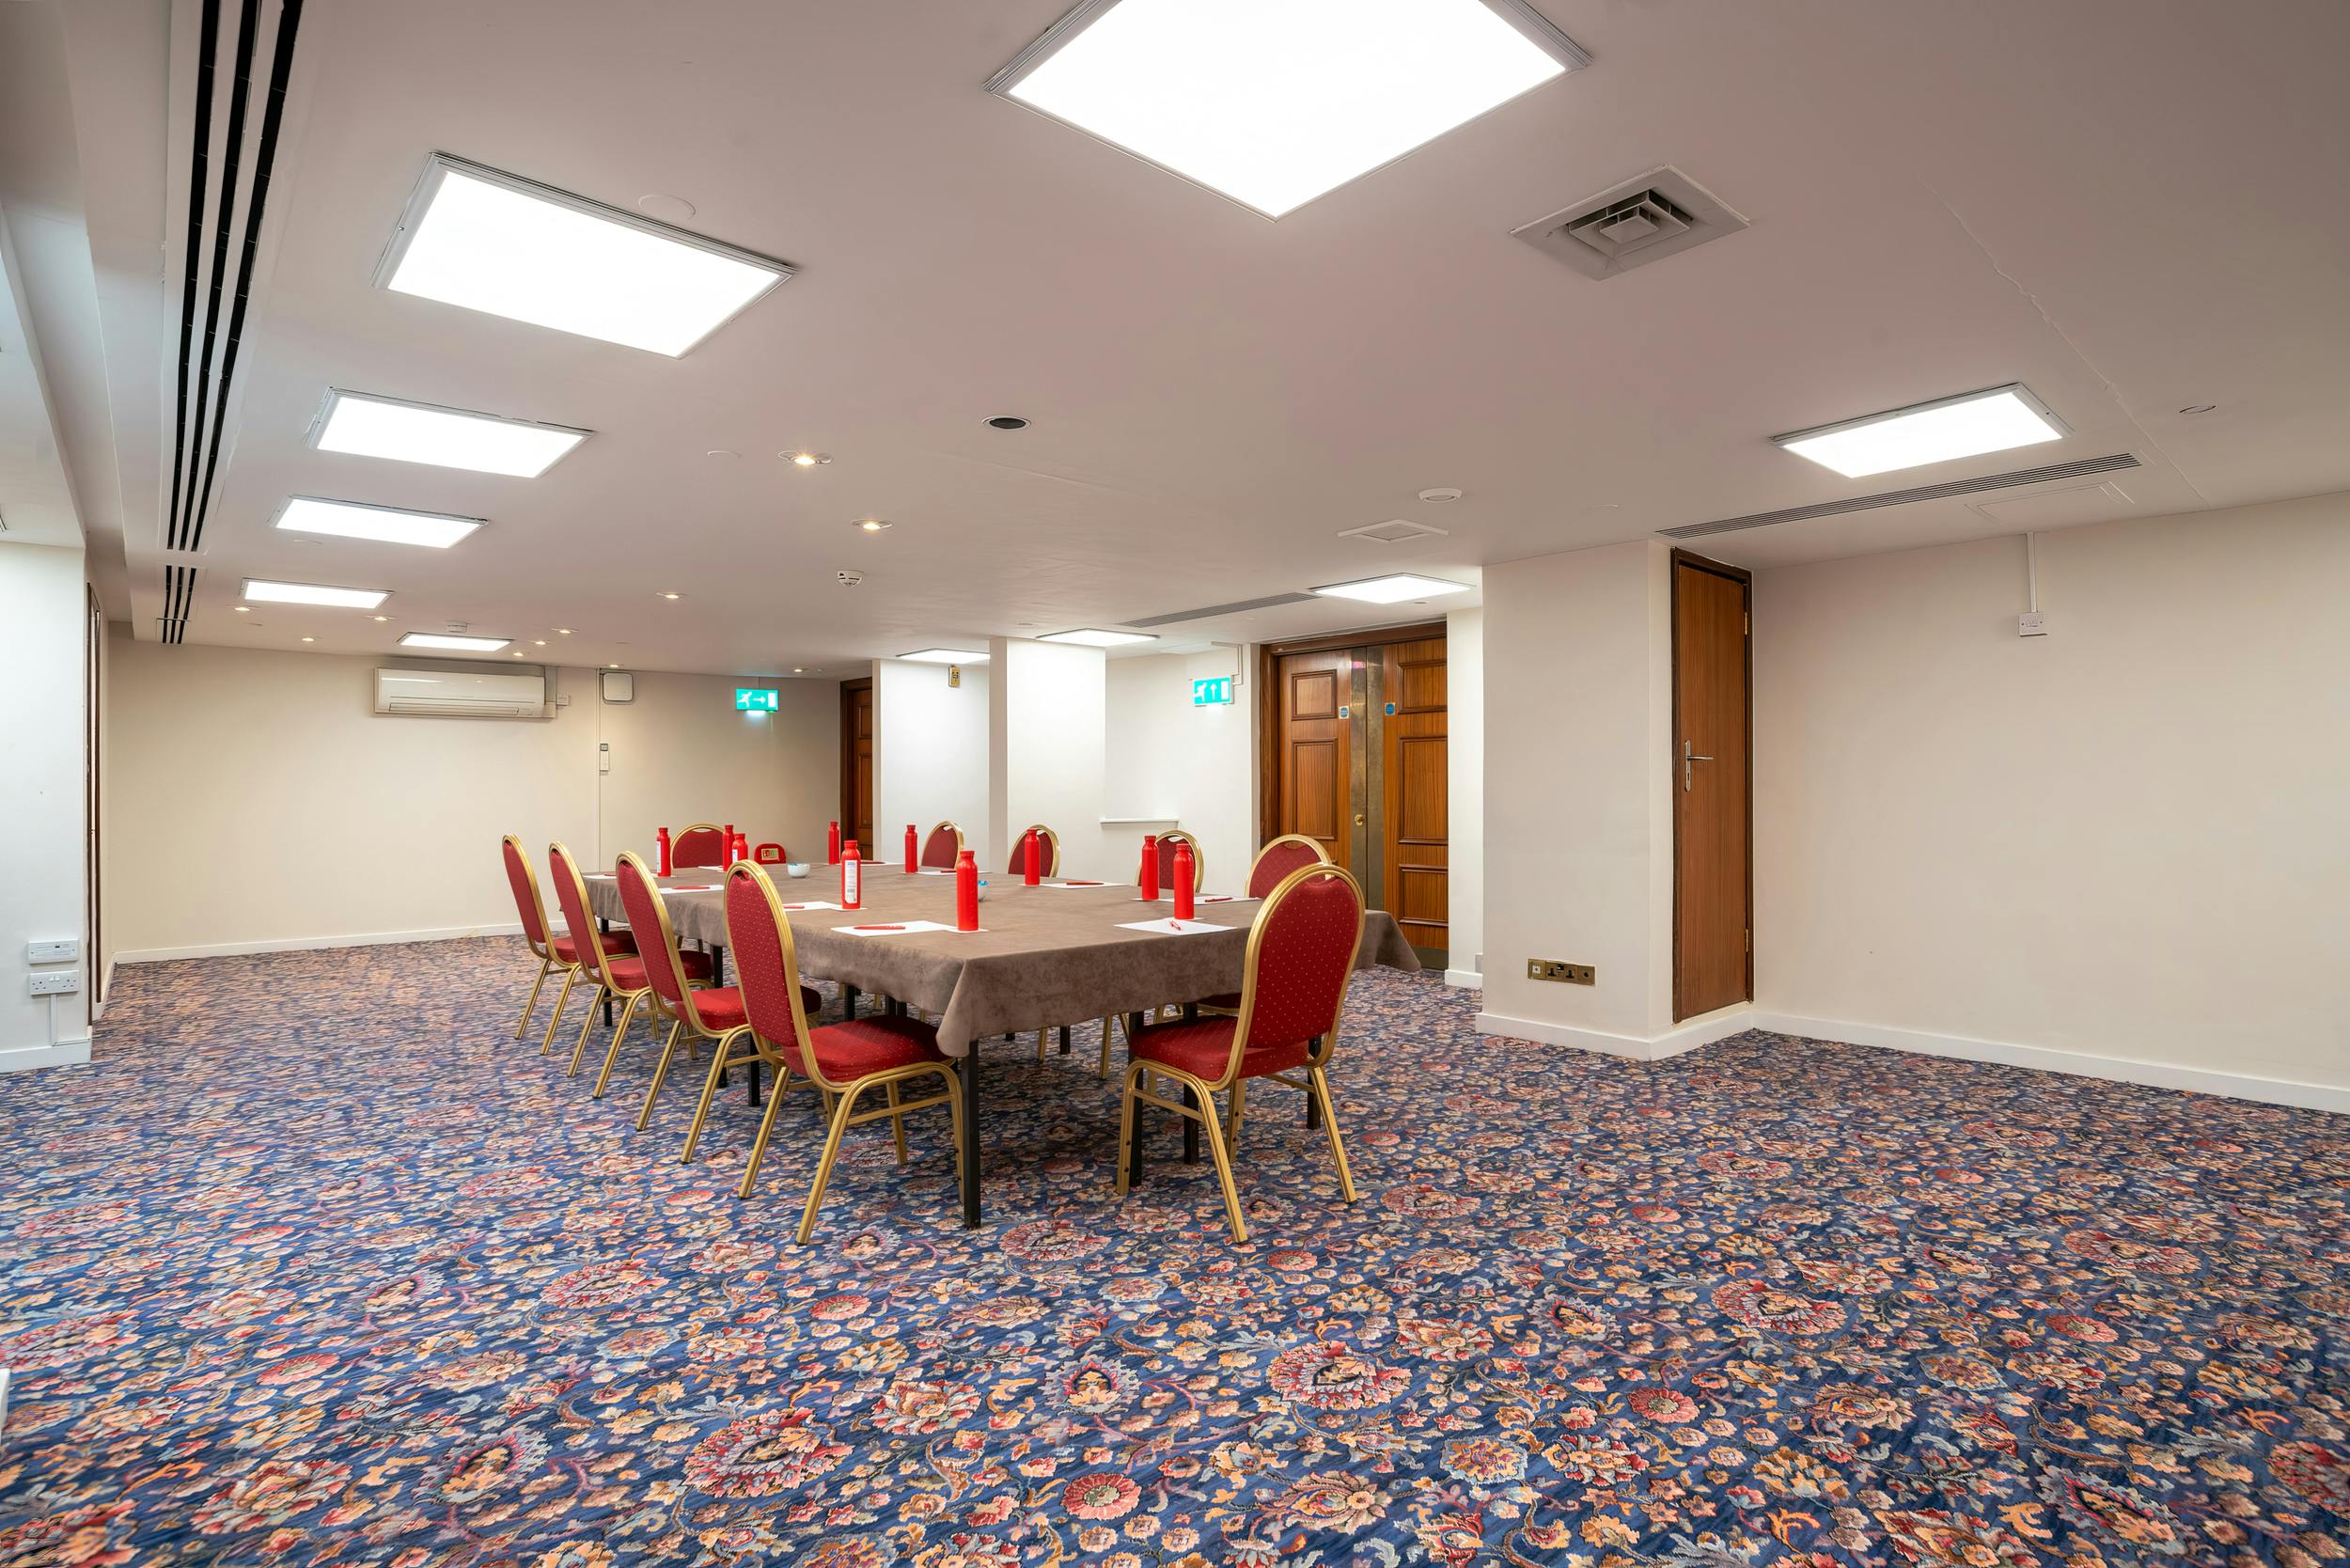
719,828
541,950
921,851
839,1098
628,999
680,1020
1048,862
1222,1141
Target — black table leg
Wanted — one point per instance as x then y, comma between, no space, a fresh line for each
1313,1106
1134,1149
968,1071
1064,1040
717,966
754,1069
605,925
1191,1128
848,1001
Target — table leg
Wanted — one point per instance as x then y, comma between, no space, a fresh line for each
1313,1106
754,1070
717,964
1191,1128
968,1070
606,925
848,1001
1064,1040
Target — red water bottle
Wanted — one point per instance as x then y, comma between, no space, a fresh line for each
966,892
832,844
661,842
725,845
739,848
1149,880
913,851
1028,858
851,877
1183,879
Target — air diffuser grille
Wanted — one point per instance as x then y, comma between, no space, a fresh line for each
1903,497
1218,609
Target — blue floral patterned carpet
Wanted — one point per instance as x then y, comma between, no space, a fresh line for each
319,1266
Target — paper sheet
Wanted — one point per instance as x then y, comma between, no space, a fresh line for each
1171,927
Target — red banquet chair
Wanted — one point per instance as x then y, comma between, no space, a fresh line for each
616,974
843,1060
1280,856
942,847
711,1012
1047,852
553,952
1301,953
702,846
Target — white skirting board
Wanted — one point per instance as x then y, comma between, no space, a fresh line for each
66,1053
2126,1070
1467,980
1688,1037
311,944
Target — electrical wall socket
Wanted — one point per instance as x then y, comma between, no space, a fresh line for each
58,984
1553,969
2033,623
53,952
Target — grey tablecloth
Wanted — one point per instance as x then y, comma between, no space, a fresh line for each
1043,955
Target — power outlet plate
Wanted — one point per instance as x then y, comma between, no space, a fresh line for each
1555,969
53,952
57,985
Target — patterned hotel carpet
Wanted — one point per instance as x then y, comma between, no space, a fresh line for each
317,1266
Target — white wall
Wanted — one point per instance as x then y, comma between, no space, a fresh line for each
1181,765
257,801
1464,789
44,816
931,757
1045,729
2129,838
1577,813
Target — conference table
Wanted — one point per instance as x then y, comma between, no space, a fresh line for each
1050,955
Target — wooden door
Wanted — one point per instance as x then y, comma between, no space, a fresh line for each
856,764
1711,788
1413,841
1314,750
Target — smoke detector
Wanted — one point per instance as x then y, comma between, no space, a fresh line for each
1646,218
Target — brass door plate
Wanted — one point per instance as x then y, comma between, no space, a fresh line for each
1552,970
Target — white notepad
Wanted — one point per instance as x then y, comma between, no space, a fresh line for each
1172,927
1200,897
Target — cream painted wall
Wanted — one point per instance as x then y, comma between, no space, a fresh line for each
1577,813
257,801
1045,727
43,814
1464,789
2129,838
1194,766
930,760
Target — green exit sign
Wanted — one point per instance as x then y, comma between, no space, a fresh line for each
1210,692
756,699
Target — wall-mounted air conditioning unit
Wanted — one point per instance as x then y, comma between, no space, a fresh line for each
459,693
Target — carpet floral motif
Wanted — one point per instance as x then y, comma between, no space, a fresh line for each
318,1265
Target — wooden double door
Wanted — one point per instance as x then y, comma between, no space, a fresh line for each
1358,762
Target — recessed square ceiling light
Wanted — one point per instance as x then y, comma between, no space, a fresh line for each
497,242
1392,589
1274,102
944,656
454,643
1967,425
1093,637
308,514
368,426
262,591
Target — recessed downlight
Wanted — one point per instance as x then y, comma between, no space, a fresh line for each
671,597
488,241
872,524
1007,422
1947,428
806,460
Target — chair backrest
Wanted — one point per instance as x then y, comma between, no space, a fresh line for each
572,894
770,855
1047,852
656,943
767,968
944,846
1301,953
1278,858
699,844
1167,841
528,905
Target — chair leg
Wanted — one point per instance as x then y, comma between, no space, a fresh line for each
660,1070
1125,1116
1215,1129
620,1032
711,1083
823,1166
1330,1125
521,1025
897,1119
580,1049
571,978
766,1125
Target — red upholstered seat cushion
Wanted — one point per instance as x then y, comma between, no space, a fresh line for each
613,942
1203,1047
851,1050
628,974
721,1007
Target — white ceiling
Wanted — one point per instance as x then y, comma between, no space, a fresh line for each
2131,206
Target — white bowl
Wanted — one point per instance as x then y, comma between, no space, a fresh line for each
795,867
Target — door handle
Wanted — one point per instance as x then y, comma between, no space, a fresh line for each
1689,755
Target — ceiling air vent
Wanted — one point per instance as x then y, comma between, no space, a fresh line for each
1393,531
1644,219
1903,497
1208,610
